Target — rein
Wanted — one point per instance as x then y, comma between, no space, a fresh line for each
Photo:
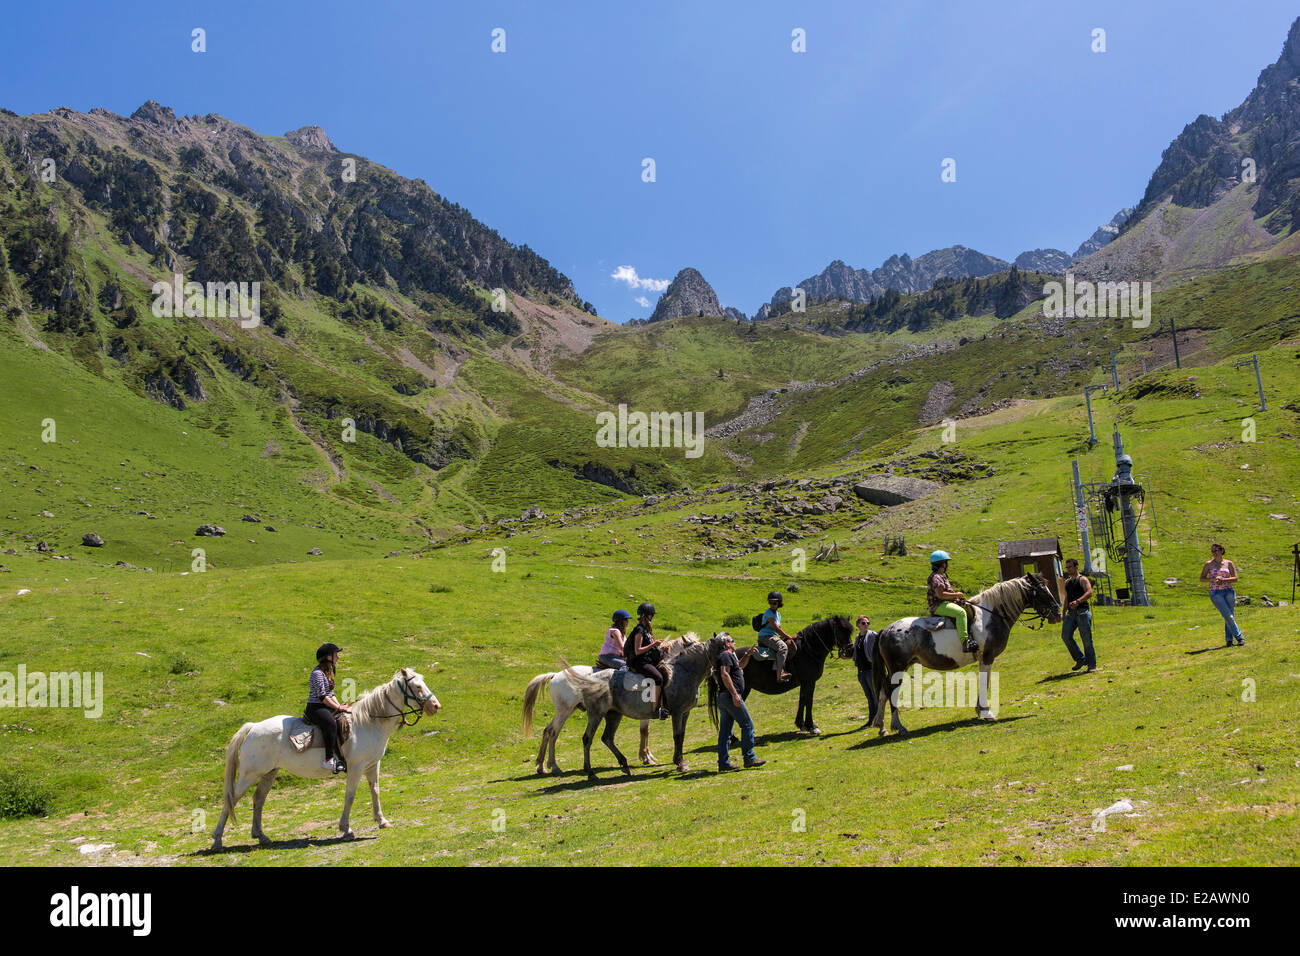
826,645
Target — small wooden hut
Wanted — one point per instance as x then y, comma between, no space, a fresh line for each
1041,555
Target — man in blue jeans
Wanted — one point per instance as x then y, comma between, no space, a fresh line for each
1078,615
732,680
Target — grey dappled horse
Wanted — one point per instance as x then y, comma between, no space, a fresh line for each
606,696
995,611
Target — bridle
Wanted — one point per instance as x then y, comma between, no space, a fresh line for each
408,695
1031,610
826,647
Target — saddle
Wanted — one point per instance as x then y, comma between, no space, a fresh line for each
937,623
304,735
636,683
758,652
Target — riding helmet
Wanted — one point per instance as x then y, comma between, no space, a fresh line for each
325,650
775,596
938,556
621,615
645,609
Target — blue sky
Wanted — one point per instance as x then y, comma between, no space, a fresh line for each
769,163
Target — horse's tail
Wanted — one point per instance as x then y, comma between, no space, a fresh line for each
530,699
232,769
584,685
713,698
878,675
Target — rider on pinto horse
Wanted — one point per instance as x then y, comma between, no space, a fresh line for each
942,596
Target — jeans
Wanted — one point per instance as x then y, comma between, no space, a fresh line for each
864,678
1225,601
777,646
733,714
1083,621
611,660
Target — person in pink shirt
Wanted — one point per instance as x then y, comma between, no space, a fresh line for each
1222,575
611,652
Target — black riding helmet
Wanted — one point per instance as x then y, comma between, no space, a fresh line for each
776,596
645,609
325,650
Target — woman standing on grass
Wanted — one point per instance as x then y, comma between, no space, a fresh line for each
1222,575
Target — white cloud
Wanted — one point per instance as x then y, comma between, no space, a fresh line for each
642,301
628,274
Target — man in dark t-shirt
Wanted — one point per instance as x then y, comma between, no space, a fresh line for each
731,681
1078,615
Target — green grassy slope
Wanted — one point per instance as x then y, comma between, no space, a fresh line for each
1214,779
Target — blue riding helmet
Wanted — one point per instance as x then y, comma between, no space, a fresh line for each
939,556
621,615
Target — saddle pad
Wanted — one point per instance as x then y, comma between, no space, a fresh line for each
634,682
304,735
763,653
936,623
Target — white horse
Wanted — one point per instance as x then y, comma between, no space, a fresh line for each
259,751
566,699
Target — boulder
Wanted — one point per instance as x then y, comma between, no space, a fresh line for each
92,540
209,531
893,489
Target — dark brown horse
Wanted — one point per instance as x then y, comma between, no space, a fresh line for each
806,661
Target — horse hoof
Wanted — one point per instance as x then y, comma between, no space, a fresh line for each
263,839
384,824
683,768
555,771
350,834
987,716
627,771
815,730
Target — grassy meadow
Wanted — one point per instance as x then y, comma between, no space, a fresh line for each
187,657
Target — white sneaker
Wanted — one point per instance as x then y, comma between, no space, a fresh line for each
330,764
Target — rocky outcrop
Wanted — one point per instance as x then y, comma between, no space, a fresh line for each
1052,261
893,489
687,294
1205,160
839,281
311,138
1104,235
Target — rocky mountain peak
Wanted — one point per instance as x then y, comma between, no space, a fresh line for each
687,294
154,112
311,138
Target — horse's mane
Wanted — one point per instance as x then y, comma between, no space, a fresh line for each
997,593
371,704
816,627
675,647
